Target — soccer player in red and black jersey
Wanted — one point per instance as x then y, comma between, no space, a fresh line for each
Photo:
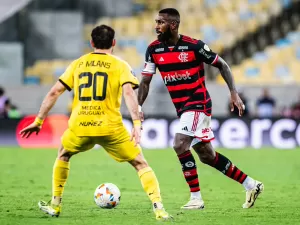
180,60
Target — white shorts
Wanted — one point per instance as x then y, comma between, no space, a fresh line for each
197,125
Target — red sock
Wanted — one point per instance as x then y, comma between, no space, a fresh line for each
225,166
189,170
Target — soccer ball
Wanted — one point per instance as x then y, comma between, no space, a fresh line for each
107,196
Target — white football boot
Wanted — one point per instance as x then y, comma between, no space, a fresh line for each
252,194
194,203
47,207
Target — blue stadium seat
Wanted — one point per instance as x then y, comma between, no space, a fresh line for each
282,71
283,43
252,72
32,80
260,57
293,37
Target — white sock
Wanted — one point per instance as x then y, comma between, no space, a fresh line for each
249,183
196,194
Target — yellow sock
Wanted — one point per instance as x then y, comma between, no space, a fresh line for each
150,184
60,176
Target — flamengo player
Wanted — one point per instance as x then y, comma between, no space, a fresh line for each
180,61
98,80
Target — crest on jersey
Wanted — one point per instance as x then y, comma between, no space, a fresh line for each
183,57
206,47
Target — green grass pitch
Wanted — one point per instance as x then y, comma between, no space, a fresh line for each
25,178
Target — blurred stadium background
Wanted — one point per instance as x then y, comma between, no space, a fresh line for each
260,39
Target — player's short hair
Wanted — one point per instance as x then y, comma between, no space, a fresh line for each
171,12
103,37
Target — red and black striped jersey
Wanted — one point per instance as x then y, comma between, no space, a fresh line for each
182,70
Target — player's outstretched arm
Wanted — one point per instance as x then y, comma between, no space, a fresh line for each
132,105
227,76
143,92
50,99
46,106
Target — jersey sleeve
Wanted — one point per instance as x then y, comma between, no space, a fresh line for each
149,67
206,55
127,76
67,78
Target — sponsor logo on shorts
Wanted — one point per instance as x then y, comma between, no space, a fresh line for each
206,130
185,128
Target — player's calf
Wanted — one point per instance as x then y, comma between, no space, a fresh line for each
189,170
224,165
220,162
151,186
207,155
191,176
181,146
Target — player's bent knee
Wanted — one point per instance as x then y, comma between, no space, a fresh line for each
182,143
139,162
179,147
64,155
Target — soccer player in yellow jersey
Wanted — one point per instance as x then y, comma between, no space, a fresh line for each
98,80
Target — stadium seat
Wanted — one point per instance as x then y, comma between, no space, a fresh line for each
277,64
221,22
295,68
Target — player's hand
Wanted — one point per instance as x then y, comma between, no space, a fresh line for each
235,100
32,128
136,134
